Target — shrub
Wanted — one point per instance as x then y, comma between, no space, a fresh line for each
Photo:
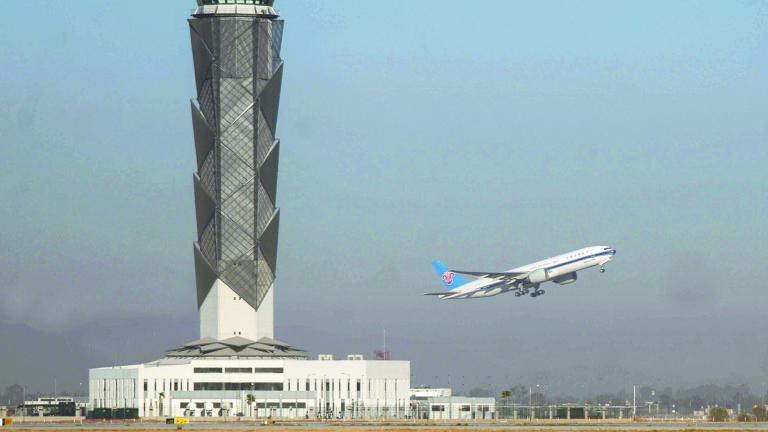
718,414
760,412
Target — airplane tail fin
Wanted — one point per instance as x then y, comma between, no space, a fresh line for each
451,280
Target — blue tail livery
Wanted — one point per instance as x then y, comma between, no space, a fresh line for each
451,280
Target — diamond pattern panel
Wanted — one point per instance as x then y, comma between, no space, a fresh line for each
236,47
264,139
235,172
264,51
269,99
239,137
208,174
204,275
235,243
205,206
277,41
243,48
239,207
235,98
224,38
207,103
204,135
264,279
264,211
208,242
201,54
268,171
268,241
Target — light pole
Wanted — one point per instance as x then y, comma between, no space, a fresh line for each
530,400
530,403
634,402
349,393
450,398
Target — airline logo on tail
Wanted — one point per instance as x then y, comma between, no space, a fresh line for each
451,280
448,277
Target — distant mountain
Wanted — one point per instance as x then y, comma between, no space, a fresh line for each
36,358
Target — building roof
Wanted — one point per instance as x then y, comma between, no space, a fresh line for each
236,347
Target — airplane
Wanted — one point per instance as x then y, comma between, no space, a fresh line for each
560,269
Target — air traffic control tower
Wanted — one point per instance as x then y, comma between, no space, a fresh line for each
238,72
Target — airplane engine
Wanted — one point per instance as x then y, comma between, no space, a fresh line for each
538,276
566,278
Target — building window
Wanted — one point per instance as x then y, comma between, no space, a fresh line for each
207,370
438,408
267,370
239,370
208,386
240,386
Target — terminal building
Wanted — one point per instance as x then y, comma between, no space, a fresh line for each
238,377
237,368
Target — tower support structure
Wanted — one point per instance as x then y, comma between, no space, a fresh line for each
238,76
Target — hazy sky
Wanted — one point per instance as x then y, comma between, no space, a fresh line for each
486,134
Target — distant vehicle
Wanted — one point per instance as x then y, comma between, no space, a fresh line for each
560,269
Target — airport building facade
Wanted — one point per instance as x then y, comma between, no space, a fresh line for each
237,368
280,383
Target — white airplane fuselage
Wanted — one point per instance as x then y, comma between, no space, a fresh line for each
560,269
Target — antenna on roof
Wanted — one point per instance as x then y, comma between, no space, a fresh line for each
384,353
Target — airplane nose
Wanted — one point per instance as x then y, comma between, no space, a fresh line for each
613,251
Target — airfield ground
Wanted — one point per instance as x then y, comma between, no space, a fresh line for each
394,426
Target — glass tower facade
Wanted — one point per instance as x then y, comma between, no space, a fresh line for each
238,74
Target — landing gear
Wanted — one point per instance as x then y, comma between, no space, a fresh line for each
602,270
538,292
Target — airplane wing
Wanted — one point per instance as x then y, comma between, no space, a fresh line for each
504,275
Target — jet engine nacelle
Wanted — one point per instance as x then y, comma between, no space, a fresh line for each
538,276
566,278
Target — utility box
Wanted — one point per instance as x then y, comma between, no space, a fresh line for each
177,421
7,422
